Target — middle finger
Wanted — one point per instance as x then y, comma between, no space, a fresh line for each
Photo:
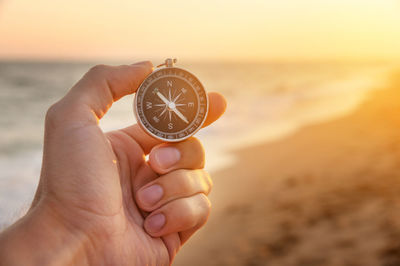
174,185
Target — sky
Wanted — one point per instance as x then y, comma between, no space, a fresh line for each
201,30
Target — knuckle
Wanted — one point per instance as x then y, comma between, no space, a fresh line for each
190,181
205,205
180,173
196,142
51,112
53,115
190,217
198,147
204,202
200,181
98,70
194,211
208,181
144,64
185,180
147,63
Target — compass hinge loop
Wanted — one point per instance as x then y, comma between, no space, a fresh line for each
169,62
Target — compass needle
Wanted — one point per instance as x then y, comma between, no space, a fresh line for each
162,98
180,115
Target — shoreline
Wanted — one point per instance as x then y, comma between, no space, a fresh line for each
287,113
324,195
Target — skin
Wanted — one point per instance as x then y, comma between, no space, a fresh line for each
91,207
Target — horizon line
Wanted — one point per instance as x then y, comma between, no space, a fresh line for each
36,59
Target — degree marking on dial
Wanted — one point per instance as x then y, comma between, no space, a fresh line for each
155,91
155,118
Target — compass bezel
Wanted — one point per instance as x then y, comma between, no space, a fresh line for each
142,88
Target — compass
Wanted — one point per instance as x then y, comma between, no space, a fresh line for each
171,104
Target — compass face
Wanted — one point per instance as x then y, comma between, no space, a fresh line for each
171,104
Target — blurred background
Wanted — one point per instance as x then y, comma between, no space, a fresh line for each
305,161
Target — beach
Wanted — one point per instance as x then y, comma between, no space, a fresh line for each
327,194
266,101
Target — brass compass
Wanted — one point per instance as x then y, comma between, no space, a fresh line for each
171,104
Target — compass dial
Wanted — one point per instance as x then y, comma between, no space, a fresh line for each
171,104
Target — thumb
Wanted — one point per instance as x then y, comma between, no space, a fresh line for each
93,95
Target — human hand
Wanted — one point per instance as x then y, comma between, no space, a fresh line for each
91,205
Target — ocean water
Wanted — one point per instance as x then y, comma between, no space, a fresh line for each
265,101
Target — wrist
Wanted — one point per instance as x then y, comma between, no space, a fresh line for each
42,238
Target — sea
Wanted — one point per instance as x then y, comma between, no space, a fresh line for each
266,101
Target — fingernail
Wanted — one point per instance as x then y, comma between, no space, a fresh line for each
151,195
167,157
155,222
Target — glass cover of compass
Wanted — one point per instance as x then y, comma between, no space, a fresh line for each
171,104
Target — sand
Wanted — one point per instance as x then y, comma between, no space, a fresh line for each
327,195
